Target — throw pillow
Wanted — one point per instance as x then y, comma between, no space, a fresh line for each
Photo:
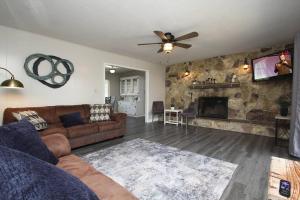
100,112
38,122
71,119
25,177
22,136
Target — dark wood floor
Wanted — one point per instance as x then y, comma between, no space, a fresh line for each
252,153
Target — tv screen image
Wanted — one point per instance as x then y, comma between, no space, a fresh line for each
272,66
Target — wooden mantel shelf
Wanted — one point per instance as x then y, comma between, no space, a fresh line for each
216,85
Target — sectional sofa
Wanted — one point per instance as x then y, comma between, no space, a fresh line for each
104,187
79,135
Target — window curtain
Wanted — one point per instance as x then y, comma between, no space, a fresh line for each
294,147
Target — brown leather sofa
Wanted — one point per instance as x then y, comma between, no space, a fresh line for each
80,135
104,187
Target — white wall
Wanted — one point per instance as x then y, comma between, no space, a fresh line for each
86,84
114,81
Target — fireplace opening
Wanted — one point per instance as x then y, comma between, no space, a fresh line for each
213,107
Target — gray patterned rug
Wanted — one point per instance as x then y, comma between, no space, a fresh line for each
154,171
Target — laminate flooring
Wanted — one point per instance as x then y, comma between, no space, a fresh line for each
251,152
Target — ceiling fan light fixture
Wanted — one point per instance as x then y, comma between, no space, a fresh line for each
168,47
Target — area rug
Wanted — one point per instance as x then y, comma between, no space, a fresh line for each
154,171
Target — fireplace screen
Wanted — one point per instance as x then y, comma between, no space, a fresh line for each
213,107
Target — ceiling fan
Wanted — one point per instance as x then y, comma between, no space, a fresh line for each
168,41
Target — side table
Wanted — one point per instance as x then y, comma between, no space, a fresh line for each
169,120
278,119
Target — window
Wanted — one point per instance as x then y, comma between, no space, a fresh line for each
106,89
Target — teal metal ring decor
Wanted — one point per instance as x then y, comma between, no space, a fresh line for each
49,79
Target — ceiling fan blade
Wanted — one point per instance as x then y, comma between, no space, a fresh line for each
186,46
150,43
161,35
160,50
187,36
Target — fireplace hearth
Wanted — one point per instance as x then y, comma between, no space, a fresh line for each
213,107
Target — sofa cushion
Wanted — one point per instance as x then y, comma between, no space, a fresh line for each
108,125
25,177
38,122
62,110
103,186
53,129
71,119
75,166
99,112
82,130
58,144
22,136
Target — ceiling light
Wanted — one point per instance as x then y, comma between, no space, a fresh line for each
168,47
112,71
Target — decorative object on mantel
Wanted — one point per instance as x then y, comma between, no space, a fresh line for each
12,82
215,85
195,82
284,102
54,79
234,79
210,81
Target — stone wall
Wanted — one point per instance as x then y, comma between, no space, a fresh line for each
252,106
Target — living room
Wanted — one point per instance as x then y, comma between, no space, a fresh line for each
220,100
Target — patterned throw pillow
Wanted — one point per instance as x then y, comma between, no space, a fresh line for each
99,112
32,116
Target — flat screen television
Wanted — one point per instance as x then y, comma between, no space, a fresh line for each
277,65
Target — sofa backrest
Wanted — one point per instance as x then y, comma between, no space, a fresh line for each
62,110
49,113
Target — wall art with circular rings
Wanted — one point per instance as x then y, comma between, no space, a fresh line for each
58,75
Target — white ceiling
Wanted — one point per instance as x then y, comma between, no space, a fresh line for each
224,27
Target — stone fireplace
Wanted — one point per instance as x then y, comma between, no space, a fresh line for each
249,108
213,107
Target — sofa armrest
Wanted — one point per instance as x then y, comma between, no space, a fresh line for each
118,117
58,144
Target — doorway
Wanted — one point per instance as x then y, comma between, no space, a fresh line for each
127,90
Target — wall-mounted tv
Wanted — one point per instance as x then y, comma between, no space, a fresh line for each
277,65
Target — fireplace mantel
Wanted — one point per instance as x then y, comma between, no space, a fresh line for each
215,85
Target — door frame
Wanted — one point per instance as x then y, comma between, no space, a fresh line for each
147,85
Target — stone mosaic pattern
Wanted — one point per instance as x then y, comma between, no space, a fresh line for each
152,171
253,102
